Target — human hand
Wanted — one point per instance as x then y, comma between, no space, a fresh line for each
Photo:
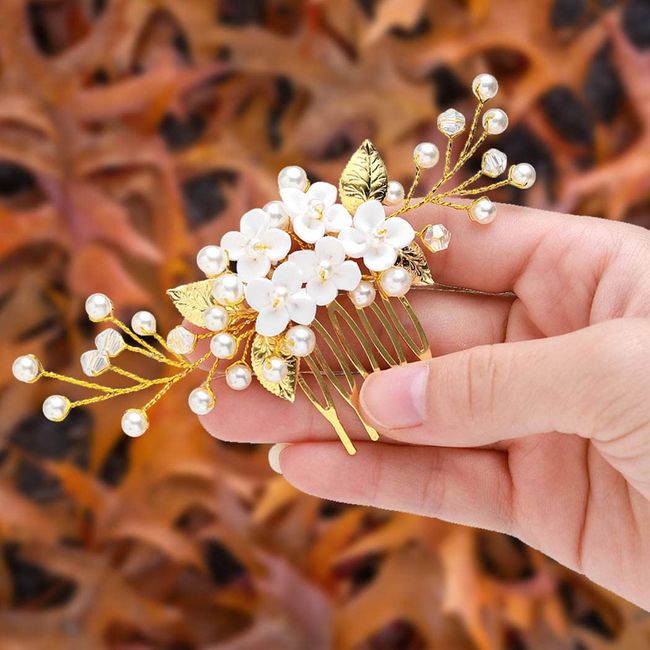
533,418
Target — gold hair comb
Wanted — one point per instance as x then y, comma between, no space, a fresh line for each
318,298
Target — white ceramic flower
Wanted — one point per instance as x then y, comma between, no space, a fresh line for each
256,246
315,212
326,270
375,237
280,300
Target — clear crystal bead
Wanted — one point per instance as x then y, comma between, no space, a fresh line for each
181,340
110,342
494,163
94,363
436,238
451,122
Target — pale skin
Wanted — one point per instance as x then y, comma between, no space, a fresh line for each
533,417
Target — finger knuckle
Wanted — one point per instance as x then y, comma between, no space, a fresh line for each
481,380
617,376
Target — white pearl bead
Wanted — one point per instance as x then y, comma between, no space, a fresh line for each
275,369
98,307
395,282
56,408
212,260
278,215
483,211
26,368
228,289
300,341
485,87
223,346
364,295
239,376
495,121
201,401
134,422
292,177
394,193
426,155
143,323
215,319
181,341
523,175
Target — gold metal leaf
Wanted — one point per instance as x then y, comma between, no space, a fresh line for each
413,260
193,299
264,347
364,178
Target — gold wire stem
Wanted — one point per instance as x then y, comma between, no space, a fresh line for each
156,357
173,380
158,396
462,186
472,130
116,393
129,332
78,382
481,190
447,204
448,152
414,184
130,375
213,371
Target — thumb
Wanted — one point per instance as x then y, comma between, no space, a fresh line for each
590,382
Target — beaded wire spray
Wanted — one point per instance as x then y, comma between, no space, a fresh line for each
293,257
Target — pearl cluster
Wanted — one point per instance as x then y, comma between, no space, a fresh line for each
452,123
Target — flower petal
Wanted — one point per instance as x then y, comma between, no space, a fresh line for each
295,201
369,215
277,242
308,229
258,293
337,218
380,257
307,262
323,293
254,222
287,275
302,308
399,232
347,276
323,192
330,249
249,268
354,242
272,322
234,243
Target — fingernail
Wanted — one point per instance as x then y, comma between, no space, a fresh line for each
274,456
395,398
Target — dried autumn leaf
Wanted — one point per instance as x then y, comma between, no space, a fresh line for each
365,177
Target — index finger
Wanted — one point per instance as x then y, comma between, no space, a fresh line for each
496,256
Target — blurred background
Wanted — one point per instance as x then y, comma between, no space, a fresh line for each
132,132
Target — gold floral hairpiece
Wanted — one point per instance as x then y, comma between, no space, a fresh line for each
319,293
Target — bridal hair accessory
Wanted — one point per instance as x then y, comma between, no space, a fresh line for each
310,293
